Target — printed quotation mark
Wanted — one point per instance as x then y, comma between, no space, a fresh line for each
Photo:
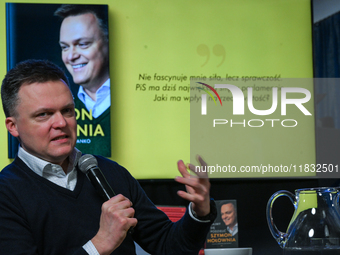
204,51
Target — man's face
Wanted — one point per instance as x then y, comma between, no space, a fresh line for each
84,51
45,120
228,214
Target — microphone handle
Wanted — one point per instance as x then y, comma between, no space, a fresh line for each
100,183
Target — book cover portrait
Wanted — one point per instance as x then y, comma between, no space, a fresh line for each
224,231
75,37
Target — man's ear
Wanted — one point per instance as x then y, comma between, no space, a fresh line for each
11,126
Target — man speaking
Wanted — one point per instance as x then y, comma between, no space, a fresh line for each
48,206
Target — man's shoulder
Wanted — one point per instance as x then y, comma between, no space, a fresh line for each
12,170
104,160
114,171
105,164
14,176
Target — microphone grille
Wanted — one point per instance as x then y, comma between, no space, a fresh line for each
86,162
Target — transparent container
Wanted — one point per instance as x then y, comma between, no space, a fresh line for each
315,226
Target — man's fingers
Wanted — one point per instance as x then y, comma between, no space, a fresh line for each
119,199
195,198
202,162
192,181
193,184
119,205
197,186
200,171
120,208
182,169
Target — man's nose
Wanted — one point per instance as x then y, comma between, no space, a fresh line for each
73,53
59,120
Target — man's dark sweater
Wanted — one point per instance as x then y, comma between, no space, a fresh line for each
40,217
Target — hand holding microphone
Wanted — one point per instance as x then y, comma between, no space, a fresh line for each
117,212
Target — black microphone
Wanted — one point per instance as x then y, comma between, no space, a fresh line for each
88,164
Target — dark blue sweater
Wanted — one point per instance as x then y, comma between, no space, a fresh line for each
40,217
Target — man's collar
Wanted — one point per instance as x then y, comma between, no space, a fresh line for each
39,165
82,94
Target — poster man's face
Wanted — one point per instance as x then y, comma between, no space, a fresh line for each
84,50
228,215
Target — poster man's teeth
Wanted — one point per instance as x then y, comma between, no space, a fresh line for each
78,66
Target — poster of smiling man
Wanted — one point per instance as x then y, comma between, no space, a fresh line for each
76,38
